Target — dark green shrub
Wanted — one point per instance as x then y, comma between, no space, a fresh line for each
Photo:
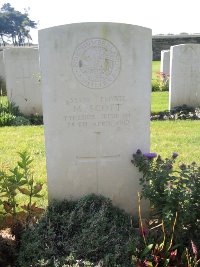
89,229
20,120
2,87
7,252
183,112
35,119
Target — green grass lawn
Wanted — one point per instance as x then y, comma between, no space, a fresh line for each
18,139
166,137
155,68
178,136
159,101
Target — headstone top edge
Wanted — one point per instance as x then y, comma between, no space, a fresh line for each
21,49
185,45
93,24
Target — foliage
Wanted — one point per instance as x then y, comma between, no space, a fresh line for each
11,116
19,180
172,191
35,119
20,120
2,86
7,252
15,25
155,247
178,113
7,107
8,113
90,228
7,119
161,83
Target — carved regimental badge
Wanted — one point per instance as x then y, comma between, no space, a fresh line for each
96,63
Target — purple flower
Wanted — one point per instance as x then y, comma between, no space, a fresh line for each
174,155
150,155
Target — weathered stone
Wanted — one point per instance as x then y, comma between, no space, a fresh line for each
96,82
23,79
184,85
165,62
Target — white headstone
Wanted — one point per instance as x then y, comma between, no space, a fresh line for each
23,79
96,82
165,62
184,85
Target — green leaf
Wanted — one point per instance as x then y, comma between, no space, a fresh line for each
37,195
22,182
20,164
146,250
166,263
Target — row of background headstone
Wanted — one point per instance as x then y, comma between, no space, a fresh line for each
20,68
23,76
182,64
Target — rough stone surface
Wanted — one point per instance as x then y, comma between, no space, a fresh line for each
22,79
96,82
184,85
165,62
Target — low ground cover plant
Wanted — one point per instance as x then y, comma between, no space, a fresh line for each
11,116
183,112
89,229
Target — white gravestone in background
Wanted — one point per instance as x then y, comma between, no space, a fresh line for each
165,62
184,85
22,79
96,82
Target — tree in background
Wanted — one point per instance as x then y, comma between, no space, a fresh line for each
15,26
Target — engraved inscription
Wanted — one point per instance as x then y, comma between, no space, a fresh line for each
103,111
96,63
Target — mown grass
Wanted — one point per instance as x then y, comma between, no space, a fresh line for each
178,136
18,139
159,101
155,68
166,137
